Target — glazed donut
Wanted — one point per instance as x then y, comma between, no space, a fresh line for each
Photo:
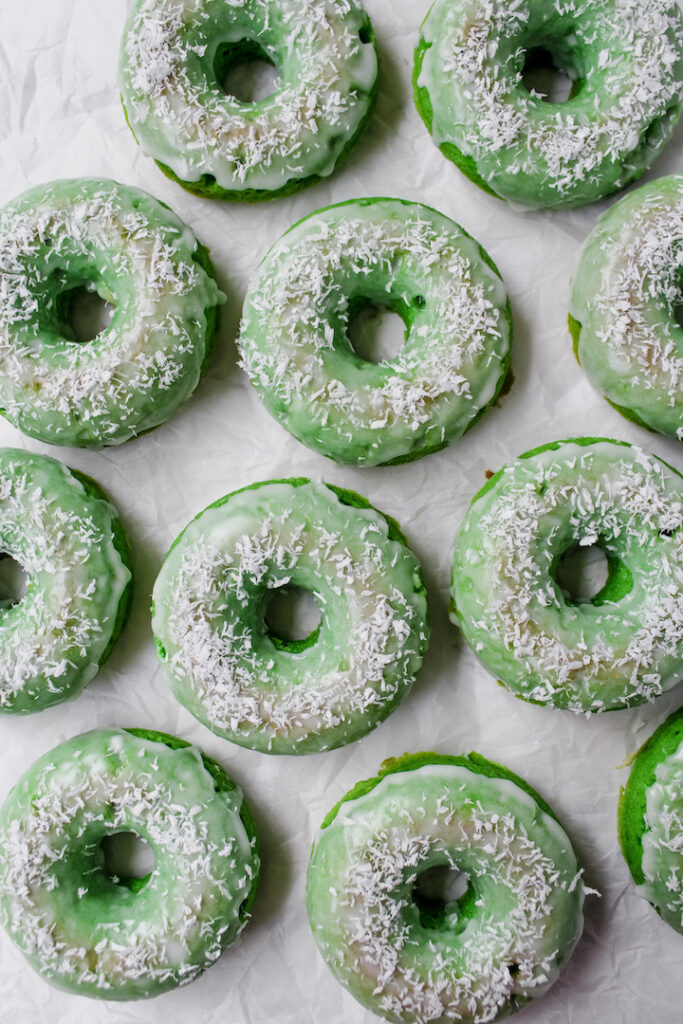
61,529
174,55
626,61
296,351
138,256
98,935
246,684
622,648
472,959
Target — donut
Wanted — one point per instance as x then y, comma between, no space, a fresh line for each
61,529
413,959
624,303
257,689
294,342
625,60
138,256
651,820
625,646
175,54
93,933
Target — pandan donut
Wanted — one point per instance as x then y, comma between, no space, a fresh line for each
625,58
95,934
295,346
61,529
174,55
249,685
413,959
624,306
137,255
625,646
651,820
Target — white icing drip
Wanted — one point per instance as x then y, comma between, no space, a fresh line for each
109,781
183,119
633,649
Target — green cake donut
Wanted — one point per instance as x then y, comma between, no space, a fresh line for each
252,687
622,648
174,55
138,256
624,305
651,820
625,58
295,346
60,527
475,959
92,933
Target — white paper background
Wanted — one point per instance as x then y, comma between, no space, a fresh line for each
60,117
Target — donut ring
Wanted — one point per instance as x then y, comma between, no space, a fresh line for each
96,935
60,527
626,61
474,959
622,648
137,255
174,55
623,306
294,340
253,688
651,820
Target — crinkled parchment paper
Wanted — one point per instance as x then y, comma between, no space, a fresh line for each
60,117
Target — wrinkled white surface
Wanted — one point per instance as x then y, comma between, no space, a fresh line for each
60,116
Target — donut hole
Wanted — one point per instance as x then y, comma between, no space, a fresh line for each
128,859
293,618
377,333
13,581
582,572
83,314
444,897
244,71
544,76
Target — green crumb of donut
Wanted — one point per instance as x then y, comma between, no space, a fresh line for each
475,762
223,784
633,799
575,332
619,583
122,547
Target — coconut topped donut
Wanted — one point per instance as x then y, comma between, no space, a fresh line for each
626,61
624,306
138,256
174,54
625,645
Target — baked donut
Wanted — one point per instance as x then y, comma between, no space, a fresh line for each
251,686
295,347
651,820
625,58
470,959
175,54
624,304
625,646
137,255
95,934
61,529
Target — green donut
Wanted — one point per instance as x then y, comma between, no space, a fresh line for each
175,54
651,820
624,304
294,340
478,958
60,527
97,935
622,648
137,255
625,58
244,683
